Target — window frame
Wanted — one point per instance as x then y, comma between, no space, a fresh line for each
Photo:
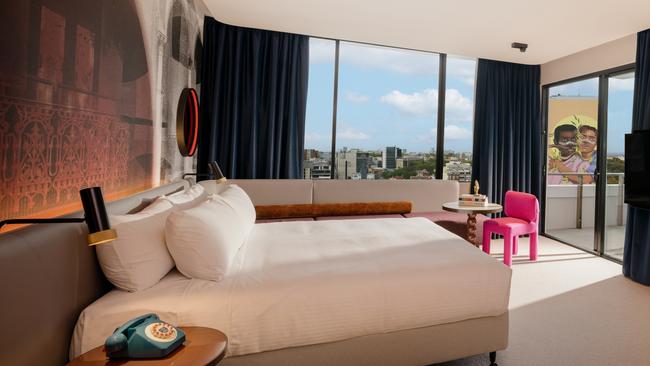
603,92
440,118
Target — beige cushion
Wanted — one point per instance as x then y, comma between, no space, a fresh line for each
203,240
236,198
426,195
268,191
138,258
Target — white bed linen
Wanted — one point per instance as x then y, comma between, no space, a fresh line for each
300,283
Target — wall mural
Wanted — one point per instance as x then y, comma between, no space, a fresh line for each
88,94
572,140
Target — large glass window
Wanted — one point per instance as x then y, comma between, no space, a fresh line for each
386,121
459,119
387,106
317,162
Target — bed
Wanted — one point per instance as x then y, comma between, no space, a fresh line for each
377,291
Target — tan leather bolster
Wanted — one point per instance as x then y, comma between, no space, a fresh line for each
332,209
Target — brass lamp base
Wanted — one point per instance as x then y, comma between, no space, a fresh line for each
101,237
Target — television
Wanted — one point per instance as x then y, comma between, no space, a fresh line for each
637,169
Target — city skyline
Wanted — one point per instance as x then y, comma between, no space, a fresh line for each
391,162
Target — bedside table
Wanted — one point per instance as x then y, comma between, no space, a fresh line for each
203,346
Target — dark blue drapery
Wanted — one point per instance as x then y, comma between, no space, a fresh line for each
507,129
253,101
636,257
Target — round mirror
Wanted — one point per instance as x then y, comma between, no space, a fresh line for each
187,122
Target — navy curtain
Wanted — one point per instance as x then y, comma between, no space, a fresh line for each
507,129
636,257
253,101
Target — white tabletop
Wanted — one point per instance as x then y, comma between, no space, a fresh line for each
455,207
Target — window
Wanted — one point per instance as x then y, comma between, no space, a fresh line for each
387,107
459,119
317,160
385,126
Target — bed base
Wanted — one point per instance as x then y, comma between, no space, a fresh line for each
421,346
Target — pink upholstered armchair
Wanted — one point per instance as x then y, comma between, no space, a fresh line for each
522,210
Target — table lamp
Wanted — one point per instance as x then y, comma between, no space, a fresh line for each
95,216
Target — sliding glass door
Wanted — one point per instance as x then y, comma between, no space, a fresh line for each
586,122
572,124
620,94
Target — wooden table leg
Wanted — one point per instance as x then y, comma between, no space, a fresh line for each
471,228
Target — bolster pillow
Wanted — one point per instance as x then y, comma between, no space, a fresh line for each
332,209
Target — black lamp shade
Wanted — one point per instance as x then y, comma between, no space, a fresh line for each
99,228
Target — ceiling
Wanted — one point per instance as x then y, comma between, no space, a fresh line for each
473,28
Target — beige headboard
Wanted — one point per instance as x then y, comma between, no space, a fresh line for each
48,275
425,195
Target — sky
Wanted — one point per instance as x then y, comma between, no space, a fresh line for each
387,97
619,108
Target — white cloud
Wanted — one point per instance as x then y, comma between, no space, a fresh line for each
425,103
321,50
422,103
458,108
626,84
390,59
349,133
354,97
462,68
312,137
457,133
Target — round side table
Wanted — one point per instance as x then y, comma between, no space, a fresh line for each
471,212
203,346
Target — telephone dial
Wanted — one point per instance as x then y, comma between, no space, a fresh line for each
144,337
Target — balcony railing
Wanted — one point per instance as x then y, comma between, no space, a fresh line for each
552,192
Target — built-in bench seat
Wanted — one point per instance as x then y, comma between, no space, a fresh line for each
426,196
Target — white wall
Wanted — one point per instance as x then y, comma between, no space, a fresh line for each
606,56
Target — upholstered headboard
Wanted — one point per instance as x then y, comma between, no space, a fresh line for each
48,275
425,195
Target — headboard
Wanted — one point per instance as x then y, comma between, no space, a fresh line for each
48,275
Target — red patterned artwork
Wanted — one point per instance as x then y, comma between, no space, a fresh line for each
75,105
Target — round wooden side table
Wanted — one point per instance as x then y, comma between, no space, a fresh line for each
471,212
203,346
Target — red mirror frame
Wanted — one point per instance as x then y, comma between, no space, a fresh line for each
187,122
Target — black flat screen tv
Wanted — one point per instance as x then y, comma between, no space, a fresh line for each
637,169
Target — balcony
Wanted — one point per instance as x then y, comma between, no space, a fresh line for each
570,214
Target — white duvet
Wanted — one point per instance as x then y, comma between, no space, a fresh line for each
300,283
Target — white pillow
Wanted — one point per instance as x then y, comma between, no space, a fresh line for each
240,202
203,240
187,198
138,258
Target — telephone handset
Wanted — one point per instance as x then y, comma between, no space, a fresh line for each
144,337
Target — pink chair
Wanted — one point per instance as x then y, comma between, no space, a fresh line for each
523,213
